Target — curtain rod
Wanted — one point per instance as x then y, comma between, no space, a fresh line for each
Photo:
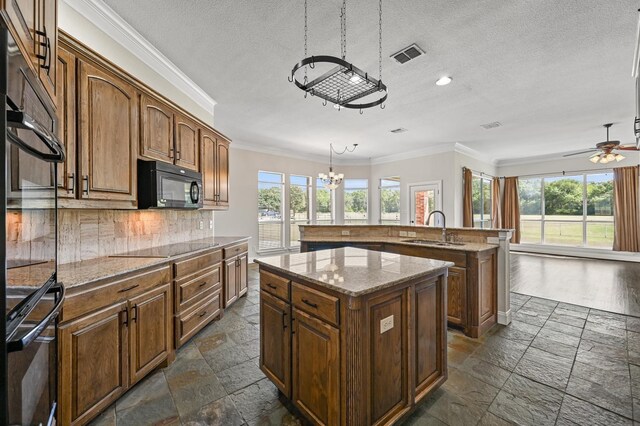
564,172
477,172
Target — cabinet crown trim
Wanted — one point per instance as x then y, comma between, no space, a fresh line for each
111,23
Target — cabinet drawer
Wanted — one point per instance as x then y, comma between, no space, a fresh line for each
275,285
188,289
80,303
195,319
314,302
234,250
197,263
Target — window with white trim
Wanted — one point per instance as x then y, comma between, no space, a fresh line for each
270,209
356,201
390,201
324,204
299,206
481,197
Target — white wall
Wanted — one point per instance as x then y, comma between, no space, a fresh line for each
85,31
568,164
242,216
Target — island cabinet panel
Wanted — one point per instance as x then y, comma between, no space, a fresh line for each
150,330
156,129
108,131
457,296
187,141
484,296
430,359
388,350
275,333
94,359
316,369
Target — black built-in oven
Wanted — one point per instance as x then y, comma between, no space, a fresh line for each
30,295
162,185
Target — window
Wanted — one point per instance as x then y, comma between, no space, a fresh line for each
299,208
356,201
324,204
390,201
270,208
572,210
481,197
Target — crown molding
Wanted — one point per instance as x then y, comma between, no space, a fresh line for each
470,152
531,160
321,159
107,20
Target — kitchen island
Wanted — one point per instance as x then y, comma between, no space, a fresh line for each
353,336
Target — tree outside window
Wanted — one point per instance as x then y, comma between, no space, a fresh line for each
390,201
356,201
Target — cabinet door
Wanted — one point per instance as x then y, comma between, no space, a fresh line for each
208,166
108,135
243,273
66,94
457,296
150,331
93,363
316,369
275,341
187,143
156,139
47,45
230,281
23,16
222,166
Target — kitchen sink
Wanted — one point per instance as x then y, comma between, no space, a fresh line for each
433,243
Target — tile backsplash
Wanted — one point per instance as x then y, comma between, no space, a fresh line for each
87,234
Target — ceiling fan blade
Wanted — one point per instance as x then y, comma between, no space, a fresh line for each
581,152
627,148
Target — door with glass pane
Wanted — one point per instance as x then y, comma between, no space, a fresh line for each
425,198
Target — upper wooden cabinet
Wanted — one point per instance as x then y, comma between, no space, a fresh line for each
66,85
108,131
215,170
187,143
156,129
35,27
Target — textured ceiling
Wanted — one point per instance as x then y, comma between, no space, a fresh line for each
551,71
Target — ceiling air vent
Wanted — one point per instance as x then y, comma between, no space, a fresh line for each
398,130
490,126
407,54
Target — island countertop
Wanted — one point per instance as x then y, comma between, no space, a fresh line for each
353,271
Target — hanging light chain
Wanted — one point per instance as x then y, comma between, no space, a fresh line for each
343,29
306,30
380,44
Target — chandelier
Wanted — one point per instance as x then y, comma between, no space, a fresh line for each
336,80
333,180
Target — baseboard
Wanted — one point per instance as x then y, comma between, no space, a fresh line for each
504,318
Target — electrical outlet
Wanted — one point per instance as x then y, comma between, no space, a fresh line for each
386,324
201,225
403,233
346,233
210,224
411,234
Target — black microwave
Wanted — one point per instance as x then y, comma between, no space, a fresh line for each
165,186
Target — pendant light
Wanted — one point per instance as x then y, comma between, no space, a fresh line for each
333,180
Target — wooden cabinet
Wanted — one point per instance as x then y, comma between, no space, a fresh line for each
156,129
108,135
457,296
94,360
215,170
150,331
35,28
66,95
187,143
236,264
275,336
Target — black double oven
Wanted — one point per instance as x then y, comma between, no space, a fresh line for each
30,292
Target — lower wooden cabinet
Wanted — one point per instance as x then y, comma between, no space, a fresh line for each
150,333
236,275
275,335
316,369
94,363
457,296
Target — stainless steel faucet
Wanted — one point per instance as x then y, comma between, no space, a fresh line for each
444,223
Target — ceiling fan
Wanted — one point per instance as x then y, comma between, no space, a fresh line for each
604,151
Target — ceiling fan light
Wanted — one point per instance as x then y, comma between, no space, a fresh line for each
619,157
610,157
594,158
604,160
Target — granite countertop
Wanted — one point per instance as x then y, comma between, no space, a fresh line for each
353,271
467,247
76,274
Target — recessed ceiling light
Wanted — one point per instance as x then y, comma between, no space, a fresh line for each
443,81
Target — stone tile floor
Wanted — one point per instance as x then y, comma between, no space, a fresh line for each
555,364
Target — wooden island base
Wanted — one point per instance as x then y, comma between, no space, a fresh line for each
353,359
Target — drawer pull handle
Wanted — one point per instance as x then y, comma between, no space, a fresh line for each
271,286
203,284
128,288
203,314
313,305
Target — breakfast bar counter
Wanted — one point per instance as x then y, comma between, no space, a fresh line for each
353,336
